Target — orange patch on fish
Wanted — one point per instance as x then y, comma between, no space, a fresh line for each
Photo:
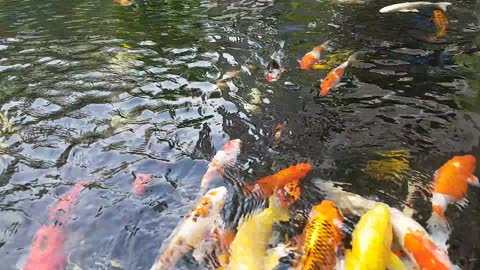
452,177
332,78
47,251
123,3
139,185
311,58
426,253
62,209
441,22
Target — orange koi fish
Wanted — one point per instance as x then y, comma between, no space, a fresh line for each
222,159
201,222
417,243
334,76
314,56
323,237
278,133
451,182
139,185
123,3
47,251
266,186
441,23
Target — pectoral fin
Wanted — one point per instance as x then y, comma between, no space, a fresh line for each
395,263
473,180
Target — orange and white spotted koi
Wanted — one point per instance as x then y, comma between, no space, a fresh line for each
222,159
198,225
314,56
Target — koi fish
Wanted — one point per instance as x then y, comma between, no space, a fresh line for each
278,133
249,247
47,251
441,23
323,237
414,6
200,223
266,186
334,76
371,243
451,182
274,68
417,243
314,56
139,185
222,159
123,3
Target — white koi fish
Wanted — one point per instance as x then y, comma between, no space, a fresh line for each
222,159
414,6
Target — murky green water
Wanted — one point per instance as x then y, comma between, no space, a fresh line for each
95,91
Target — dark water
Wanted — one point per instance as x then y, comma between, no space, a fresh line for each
97,92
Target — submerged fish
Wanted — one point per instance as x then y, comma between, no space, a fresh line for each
249,248
47,251
200,223
441,23
314,56
372,241
417,243
414,6
123,3
451,182
266,186
140,184
222,159
392,166
334,76
274,68
322,236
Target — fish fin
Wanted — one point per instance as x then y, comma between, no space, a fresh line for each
395,263
443,5
473,180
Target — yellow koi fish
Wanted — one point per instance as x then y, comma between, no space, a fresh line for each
249,248
372,241
201,222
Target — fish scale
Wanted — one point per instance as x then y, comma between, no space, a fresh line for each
320,249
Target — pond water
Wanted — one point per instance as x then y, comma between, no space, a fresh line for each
99,92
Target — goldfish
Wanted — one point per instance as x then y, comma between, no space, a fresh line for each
266,186
222,159
201,222
314,56
123,3
274,68
249,247
322,236
47,251
139,185
372,241
414,6
451,182
417,243
278,133
441,23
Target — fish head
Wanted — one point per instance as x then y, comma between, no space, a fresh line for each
466,162
273,75
303,169
232,145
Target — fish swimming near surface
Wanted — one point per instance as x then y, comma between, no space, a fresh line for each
222,160
47,251
371,243
266,187
414,7
197,225
314,56
123,3
451,182
140,184
274,68
417,243
249,247
322,236
333,77
441,23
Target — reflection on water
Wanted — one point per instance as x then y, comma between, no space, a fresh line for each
91,90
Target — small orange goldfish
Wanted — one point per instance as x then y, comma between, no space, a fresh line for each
222,159
451,182
266,186
323,237
123,3
278,133
441,22
314,56
139,185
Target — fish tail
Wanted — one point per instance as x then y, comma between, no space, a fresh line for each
443,5
395,263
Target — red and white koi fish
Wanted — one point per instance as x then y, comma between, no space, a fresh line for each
451,182
418,244
222,159
314,56
199,224
334,76
274,68
140,184
47,251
